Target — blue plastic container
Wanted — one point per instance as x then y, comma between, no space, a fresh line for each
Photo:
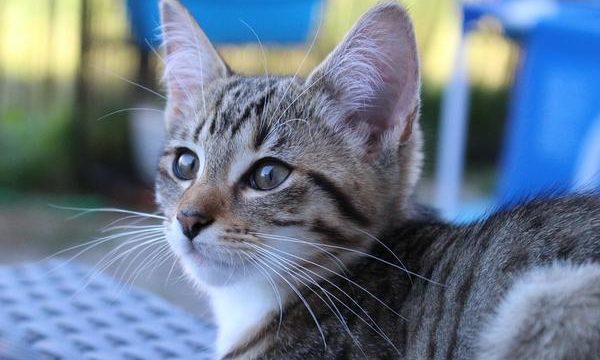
553,131
234,21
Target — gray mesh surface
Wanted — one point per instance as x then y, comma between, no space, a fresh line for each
60,312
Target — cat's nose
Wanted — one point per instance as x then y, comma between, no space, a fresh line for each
192,222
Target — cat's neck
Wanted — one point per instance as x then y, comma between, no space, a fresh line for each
240,310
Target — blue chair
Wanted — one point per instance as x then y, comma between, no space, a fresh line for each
234,21
545,74
554,130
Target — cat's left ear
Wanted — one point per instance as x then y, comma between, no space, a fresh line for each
373,75
191,61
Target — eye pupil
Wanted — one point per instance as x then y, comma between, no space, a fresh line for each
186,165
269,175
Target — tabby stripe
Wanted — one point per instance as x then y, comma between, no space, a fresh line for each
167,152
446,270
331,233
286,222
427,273
216,112
433,263
162,171
258,107
213,124
247,346
261,134
234,84
198,129
463,295
483,244
242,119
213,119
346,352
217,108
166,176
564,251
279,143
344,205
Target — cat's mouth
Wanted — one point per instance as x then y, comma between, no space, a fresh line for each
203,254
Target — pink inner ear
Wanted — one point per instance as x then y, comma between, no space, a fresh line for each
374,74
191,61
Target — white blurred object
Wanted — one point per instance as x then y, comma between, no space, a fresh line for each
147,130
587,176
523,15
453,132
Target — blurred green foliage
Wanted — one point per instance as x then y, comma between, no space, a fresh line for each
34,149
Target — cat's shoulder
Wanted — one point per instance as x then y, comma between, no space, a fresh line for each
549,212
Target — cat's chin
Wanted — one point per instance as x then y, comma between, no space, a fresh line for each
211,270
212,276
204,264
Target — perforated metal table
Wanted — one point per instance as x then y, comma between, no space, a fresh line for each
49,310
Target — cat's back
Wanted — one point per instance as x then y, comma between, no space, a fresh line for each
476,265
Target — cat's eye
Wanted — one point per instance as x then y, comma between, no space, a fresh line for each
186,164
269,174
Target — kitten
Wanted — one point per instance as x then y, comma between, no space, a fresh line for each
289,204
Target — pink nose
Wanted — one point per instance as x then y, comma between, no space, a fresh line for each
192,222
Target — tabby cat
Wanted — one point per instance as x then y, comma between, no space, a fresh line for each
289,203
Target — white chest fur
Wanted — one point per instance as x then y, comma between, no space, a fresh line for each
239,309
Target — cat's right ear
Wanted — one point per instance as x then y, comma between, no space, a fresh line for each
191,61
373,75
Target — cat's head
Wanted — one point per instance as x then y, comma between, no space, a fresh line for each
262,172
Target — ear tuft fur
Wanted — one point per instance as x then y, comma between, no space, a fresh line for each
373,74
191,61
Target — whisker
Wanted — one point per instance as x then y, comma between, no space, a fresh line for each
327,294
128,109
132,227
162,258
297,292
286,238
260,44
85,211
154,51
173,266
131,82
137,220
281,113
145,260
276,292
121,260
104,264
149,260
97,269
312,44
97,242
373,237
341,290
336,312
124,283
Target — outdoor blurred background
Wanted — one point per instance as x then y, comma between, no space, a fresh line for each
68,104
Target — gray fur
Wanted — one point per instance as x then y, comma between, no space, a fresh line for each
554,307
395,282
